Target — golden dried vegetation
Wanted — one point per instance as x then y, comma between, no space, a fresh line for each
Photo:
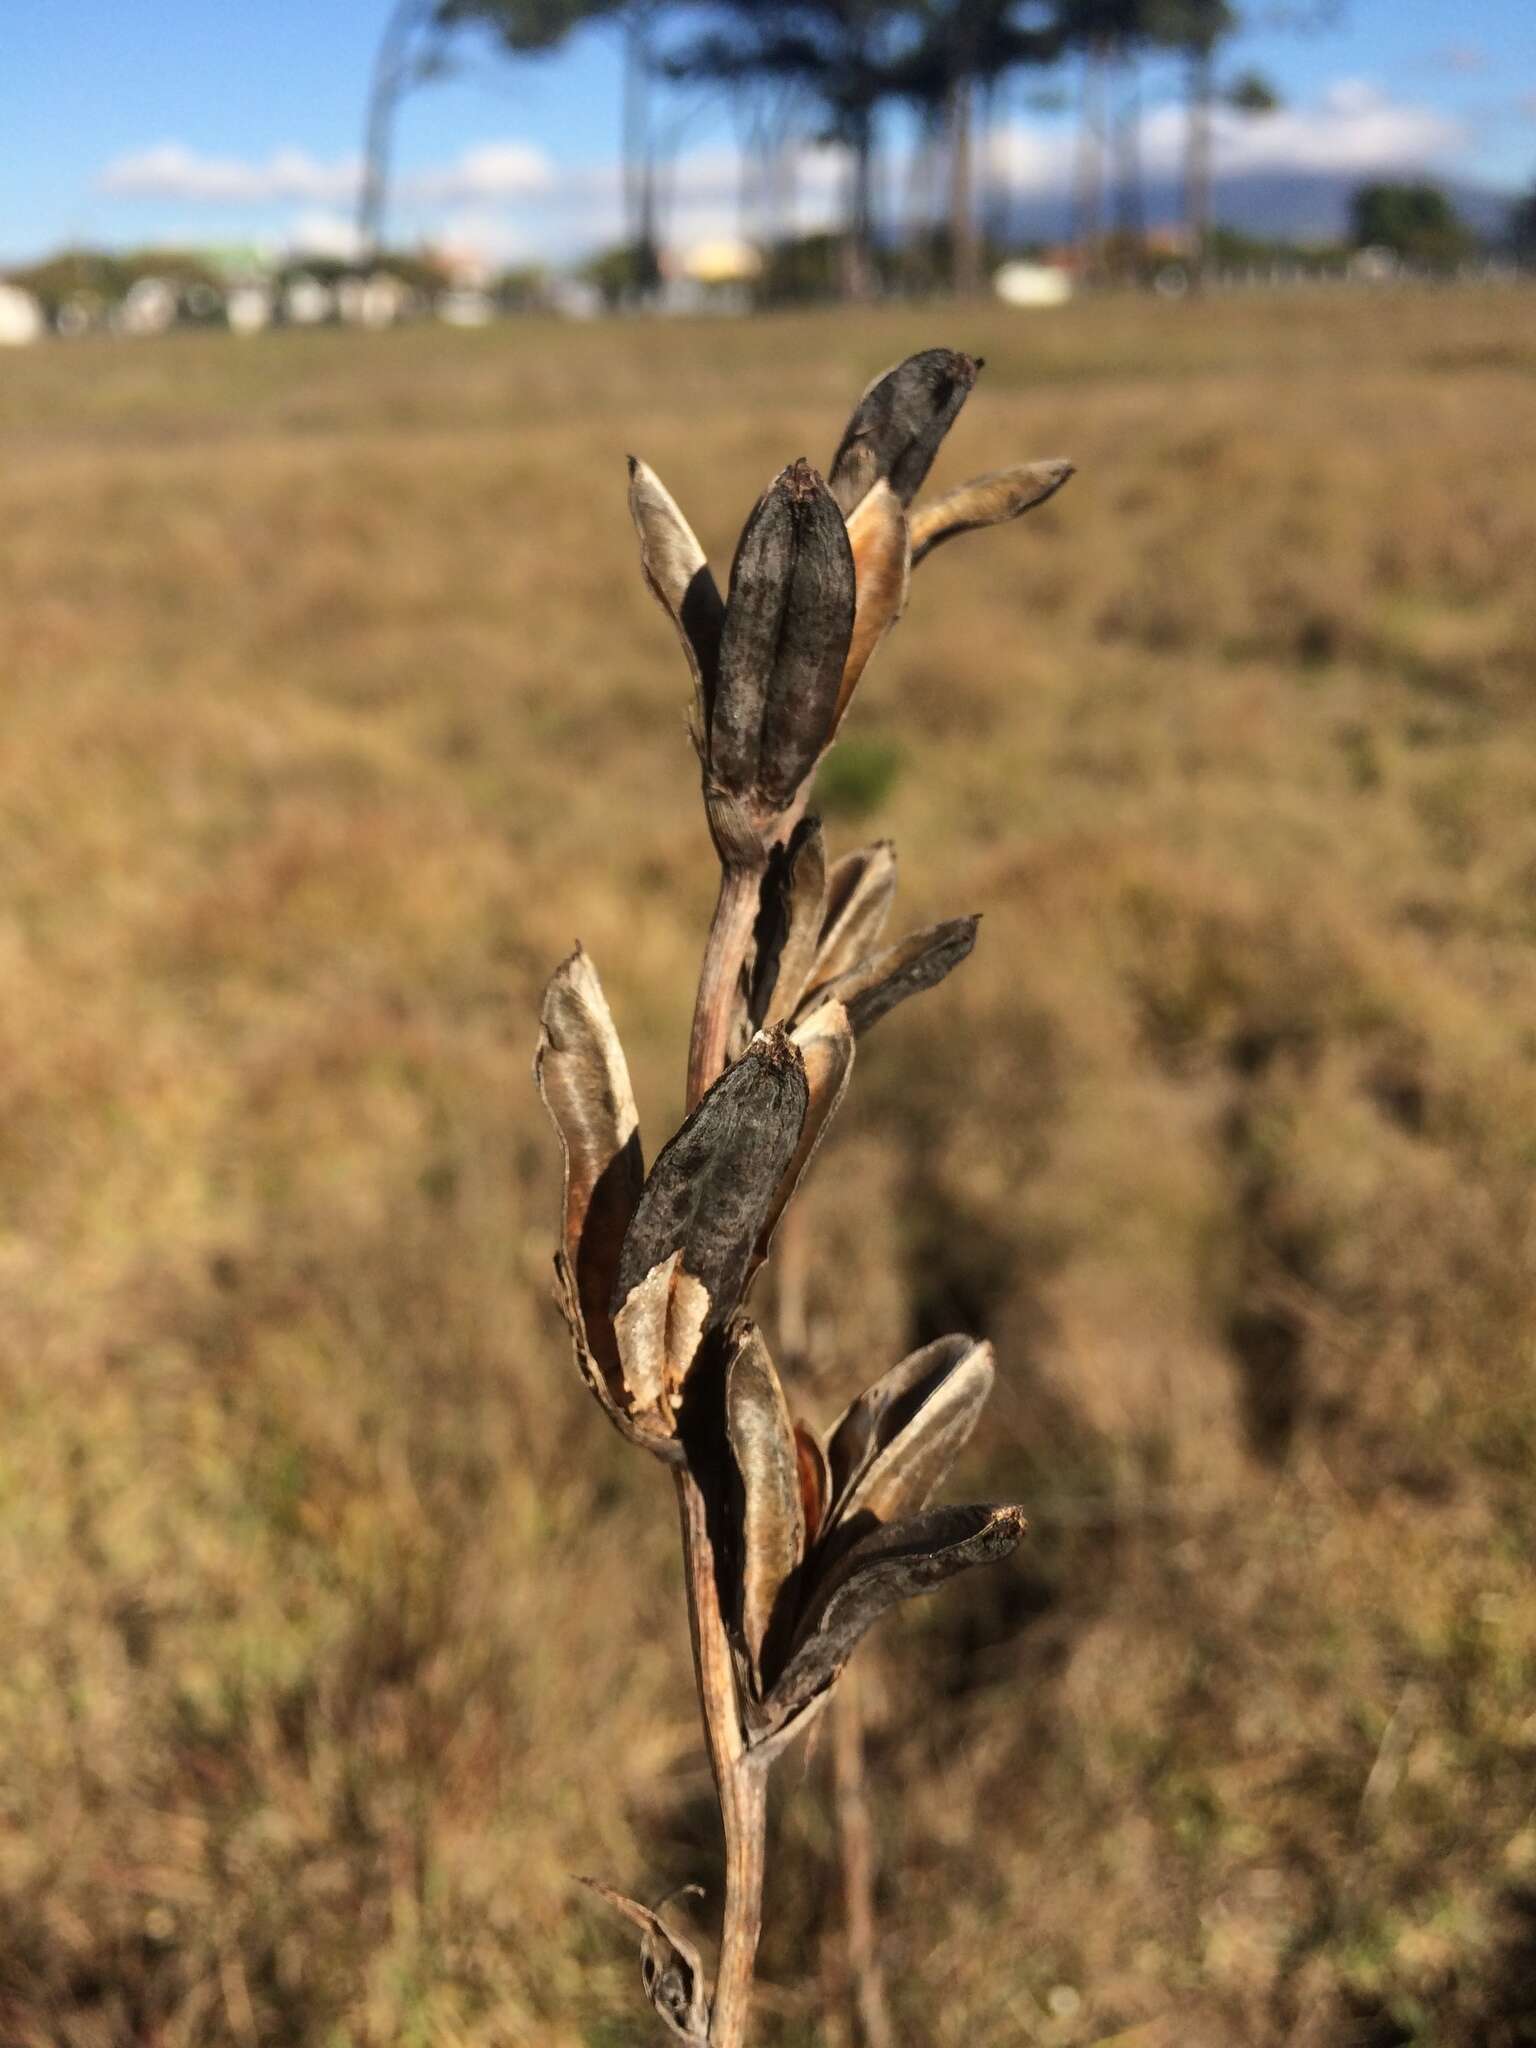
338,1629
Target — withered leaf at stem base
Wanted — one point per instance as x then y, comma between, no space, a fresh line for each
985,501
872,990
898,424
670,1967
890,1565
772,1533
784,642
713,1186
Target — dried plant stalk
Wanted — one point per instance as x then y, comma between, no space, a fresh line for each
794,1543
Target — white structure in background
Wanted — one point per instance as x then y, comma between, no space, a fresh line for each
1032,284
248,308
1373,265
306,301
376,301
149,308
574,299
80,313
21,317
466,307
726,260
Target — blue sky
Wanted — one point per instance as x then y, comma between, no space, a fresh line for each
181,121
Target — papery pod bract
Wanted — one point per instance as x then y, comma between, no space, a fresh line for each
680,579
985,501
771,1536
584,1081
860,890
882,563
899,1438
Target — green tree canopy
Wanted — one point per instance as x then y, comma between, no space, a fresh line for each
1415,221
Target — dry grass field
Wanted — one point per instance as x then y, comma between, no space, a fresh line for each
338,1628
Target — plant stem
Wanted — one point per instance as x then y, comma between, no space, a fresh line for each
856,1849
725,951
740,1779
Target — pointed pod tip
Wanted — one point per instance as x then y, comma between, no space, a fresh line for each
802,478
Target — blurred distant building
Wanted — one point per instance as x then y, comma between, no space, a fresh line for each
21,317
1032,284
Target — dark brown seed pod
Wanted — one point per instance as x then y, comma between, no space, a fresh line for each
898,424
784,643
712,1188
985,501
888,1566
876,985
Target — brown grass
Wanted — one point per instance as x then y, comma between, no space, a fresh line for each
338,1628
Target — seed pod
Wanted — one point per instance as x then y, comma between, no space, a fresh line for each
888,1566
679,578
772,1532
985,501
784,643
824,1040
875,986
583,1078
793,896
900,1437
709,1195
898,424
860,890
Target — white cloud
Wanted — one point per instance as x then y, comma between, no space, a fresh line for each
1353,129
172,171
494,170
322,233
508,200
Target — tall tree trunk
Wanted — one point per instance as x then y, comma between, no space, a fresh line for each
1088,181
1197,160
965,243
639,149
858,239
1130,195
386,86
